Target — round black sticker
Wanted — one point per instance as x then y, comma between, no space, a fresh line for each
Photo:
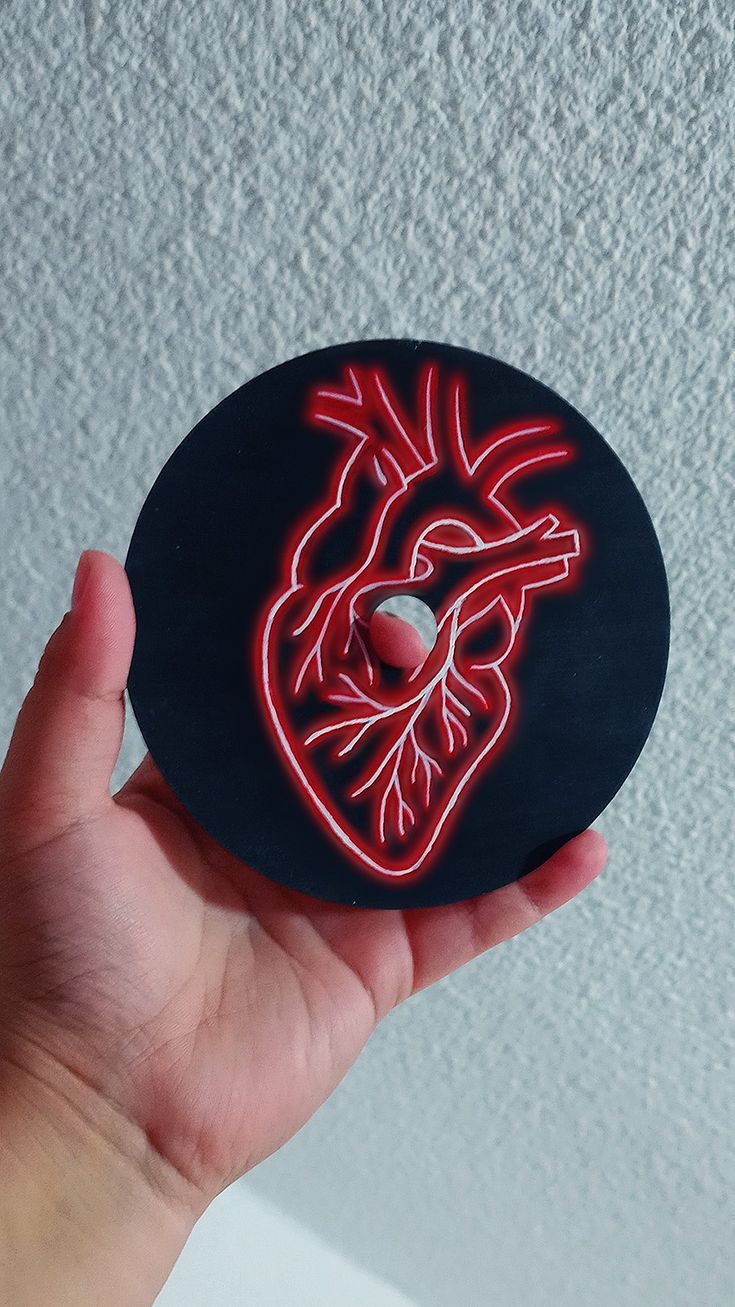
314,494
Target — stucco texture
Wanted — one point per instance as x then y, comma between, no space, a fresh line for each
194,191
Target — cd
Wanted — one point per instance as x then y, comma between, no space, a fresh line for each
293,540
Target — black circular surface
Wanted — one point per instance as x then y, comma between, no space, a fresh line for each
508,513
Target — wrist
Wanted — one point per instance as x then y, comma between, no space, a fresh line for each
89,1212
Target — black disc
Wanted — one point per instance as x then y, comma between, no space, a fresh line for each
304,500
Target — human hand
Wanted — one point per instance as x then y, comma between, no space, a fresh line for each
168,1017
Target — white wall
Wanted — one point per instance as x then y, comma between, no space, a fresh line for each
192,192
246,1253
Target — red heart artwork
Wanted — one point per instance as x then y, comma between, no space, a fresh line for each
416,506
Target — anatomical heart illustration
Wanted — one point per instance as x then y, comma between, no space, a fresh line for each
420,503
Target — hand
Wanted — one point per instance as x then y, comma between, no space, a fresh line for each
159,1001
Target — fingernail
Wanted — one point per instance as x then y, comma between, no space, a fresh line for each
80,580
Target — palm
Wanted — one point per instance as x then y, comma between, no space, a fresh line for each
218,1009
259,998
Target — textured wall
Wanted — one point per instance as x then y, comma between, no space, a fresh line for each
194,191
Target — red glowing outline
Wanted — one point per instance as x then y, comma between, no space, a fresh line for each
528,557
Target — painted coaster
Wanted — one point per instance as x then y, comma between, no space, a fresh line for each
404,471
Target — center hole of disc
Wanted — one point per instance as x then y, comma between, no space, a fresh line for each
403,631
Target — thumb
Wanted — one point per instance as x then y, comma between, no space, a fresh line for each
68,734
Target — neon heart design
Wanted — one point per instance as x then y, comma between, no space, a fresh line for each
385,759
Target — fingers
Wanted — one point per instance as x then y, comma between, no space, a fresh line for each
396,641
446,938
68,734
